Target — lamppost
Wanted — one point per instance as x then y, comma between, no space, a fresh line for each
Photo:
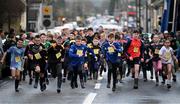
27,15
138,14
174,16
147,20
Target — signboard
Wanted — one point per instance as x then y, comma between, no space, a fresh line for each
47,10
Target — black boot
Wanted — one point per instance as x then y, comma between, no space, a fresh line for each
69,77
30,81
157,81
157,78
168,86
36,84
136,83
64,79
133,75
101,70
72,84
75,84
96,76
47,81
36,80
16,85
108,85
24,75
174,78
127,75
59,83
42,84
82,84
114,87
58,90
163,78
151,77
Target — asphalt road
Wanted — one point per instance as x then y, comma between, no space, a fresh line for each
94,93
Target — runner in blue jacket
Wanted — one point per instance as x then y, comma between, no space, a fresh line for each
112,49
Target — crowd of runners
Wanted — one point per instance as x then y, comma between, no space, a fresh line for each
84,54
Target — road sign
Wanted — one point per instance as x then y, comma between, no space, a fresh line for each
47,16
47,10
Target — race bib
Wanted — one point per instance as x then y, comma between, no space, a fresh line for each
96,51
79,52
168,55
37,56
89,45
17,59
58,55
119,54
136,50
156,51
110,49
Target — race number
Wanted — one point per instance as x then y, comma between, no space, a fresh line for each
37,56
96,51
17,59
58,55
110,49
136,50
79,52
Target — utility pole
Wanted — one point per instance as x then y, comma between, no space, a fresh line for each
27,15
138,14
147,24
174,16
139,5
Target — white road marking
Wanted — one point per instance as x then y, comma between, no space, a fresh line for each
97,86
89,99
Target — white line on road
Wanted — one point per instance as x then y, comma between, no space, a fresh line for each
97,86
89,99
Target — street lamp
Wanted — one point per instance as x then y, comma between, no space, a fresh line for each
27,14
138,14
147,16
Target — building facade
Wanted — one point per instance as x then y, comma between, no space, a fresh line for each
12,14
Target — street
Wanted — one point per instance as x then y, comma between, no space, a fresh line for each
97,93
45,39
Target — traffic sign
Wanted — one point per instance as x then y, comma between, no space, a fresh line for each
47,16
47,10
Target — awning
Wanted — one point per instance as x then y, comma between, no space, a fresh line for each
131,13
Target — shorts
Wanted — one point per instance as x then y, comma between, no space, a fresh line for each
42,67
157,65
164,68
135,61
16,68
